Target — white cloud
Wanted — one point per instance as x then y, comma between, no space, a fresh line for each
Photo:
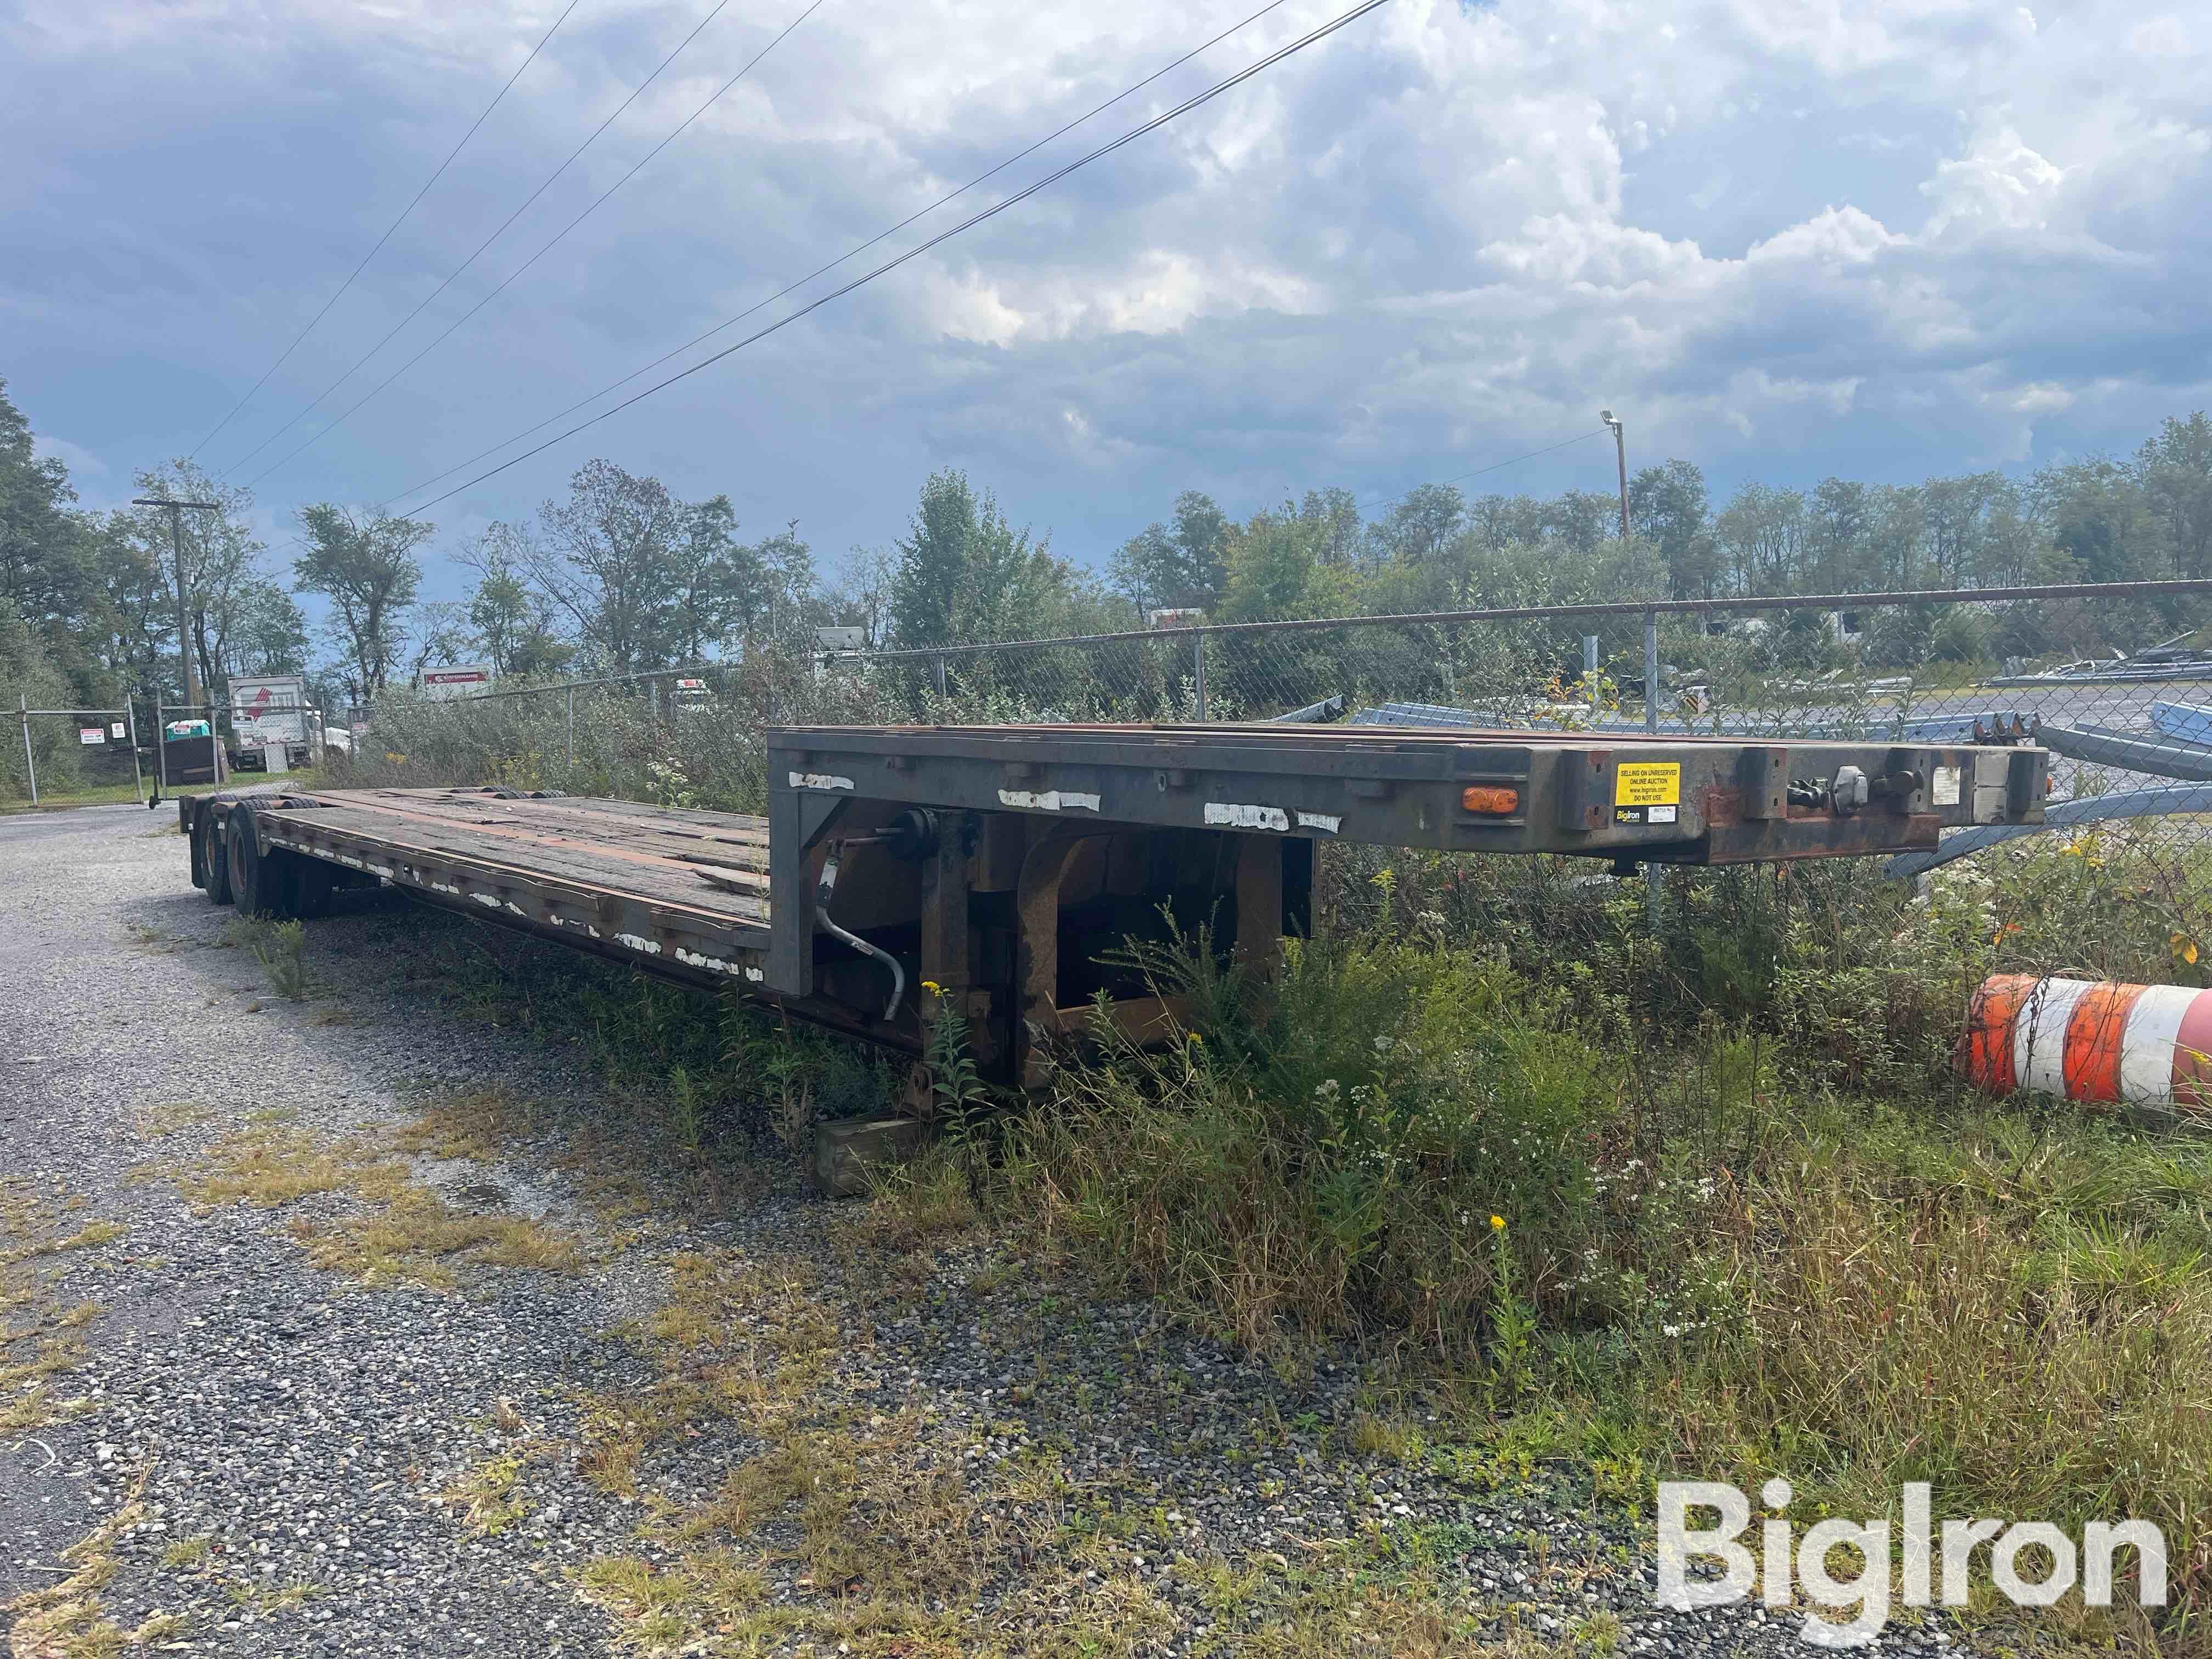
1925,232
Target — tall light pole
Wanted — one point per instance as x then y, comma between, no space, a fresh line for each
1620,453
176,511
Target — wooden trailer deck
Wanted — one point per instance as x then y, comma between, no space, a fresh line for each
712,861
694,882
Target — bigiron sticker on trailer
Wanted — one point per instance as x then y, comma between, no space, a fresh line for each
1647,791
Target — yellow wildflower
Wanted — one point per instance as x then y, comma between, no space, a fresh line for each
1498,1224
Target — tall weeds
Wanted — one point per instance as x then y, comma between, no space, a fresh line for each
1713,1208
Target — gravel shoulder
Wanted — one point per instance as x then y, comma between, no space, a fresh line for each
370,1328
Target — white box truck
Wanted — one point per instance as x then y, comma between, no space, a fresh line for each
272,729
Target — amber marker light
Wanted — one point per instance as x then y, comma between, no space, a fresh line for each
1490,797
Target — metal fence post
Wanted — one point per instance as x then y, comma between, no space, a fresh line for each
1654,876
941,691
30,766
1651,670
569,754
130,727
1198,670
160,752
1589,656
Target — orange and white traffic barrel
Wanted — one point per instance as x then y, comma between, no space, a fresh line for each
2104,1042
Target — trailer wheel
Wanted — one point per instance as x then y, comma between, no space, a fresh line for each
263,885
210,858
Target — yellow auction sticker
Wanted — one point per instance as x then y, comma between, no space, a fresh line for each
1648,783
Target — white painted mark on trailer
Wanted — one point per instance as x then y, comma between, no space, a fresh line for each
1327,822
1050,800
650,946
490,900
819,781
1943,787
754,973
1237,816
694,959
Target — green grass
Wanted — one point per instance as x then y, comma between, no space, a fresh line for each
1608,1224
108,794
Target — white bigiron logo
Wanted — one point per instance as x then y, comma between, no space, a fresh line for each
1933,1564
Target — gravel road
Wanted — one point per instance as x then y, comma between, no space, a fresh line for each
475,1388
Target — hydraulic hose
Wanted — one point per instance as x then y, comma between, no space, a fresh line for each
822,892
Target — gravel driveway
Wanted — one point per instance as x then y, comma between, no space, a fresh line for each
364,1329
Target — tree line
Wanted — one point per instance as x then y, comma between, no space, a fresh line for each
620,575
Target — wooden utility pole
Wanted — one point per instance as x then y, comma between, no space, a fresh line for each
176,511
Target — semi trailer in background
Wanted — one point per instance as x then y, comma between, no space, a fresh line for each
272,729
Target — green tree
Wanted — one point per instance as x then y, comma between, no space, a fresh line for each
365,565
1180,565
1838,522
1420,528
710,572
511,621
271,635
2096,518
608,558
1895,535
1335,513
44,572
1271,560
137,609
221,558
2174,470
966,575
29,670
1955,514
1761,534
779,597
1669,507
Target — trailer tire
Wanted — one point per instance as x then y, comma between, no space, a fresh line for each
210,858
263,884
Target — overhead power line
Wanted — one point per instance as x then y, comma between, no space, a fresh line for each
969,223
451,276
547,247
851,252
415,201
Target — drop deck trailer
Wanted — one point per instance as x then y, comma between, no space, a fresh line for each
903,869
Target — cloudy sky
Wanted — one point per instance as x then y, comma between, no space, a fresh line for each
1782,239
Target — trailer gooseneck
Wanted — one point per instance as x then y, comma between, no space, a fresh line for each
903,870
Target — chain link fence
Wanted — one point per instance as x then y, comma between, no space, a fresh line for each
2118,885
